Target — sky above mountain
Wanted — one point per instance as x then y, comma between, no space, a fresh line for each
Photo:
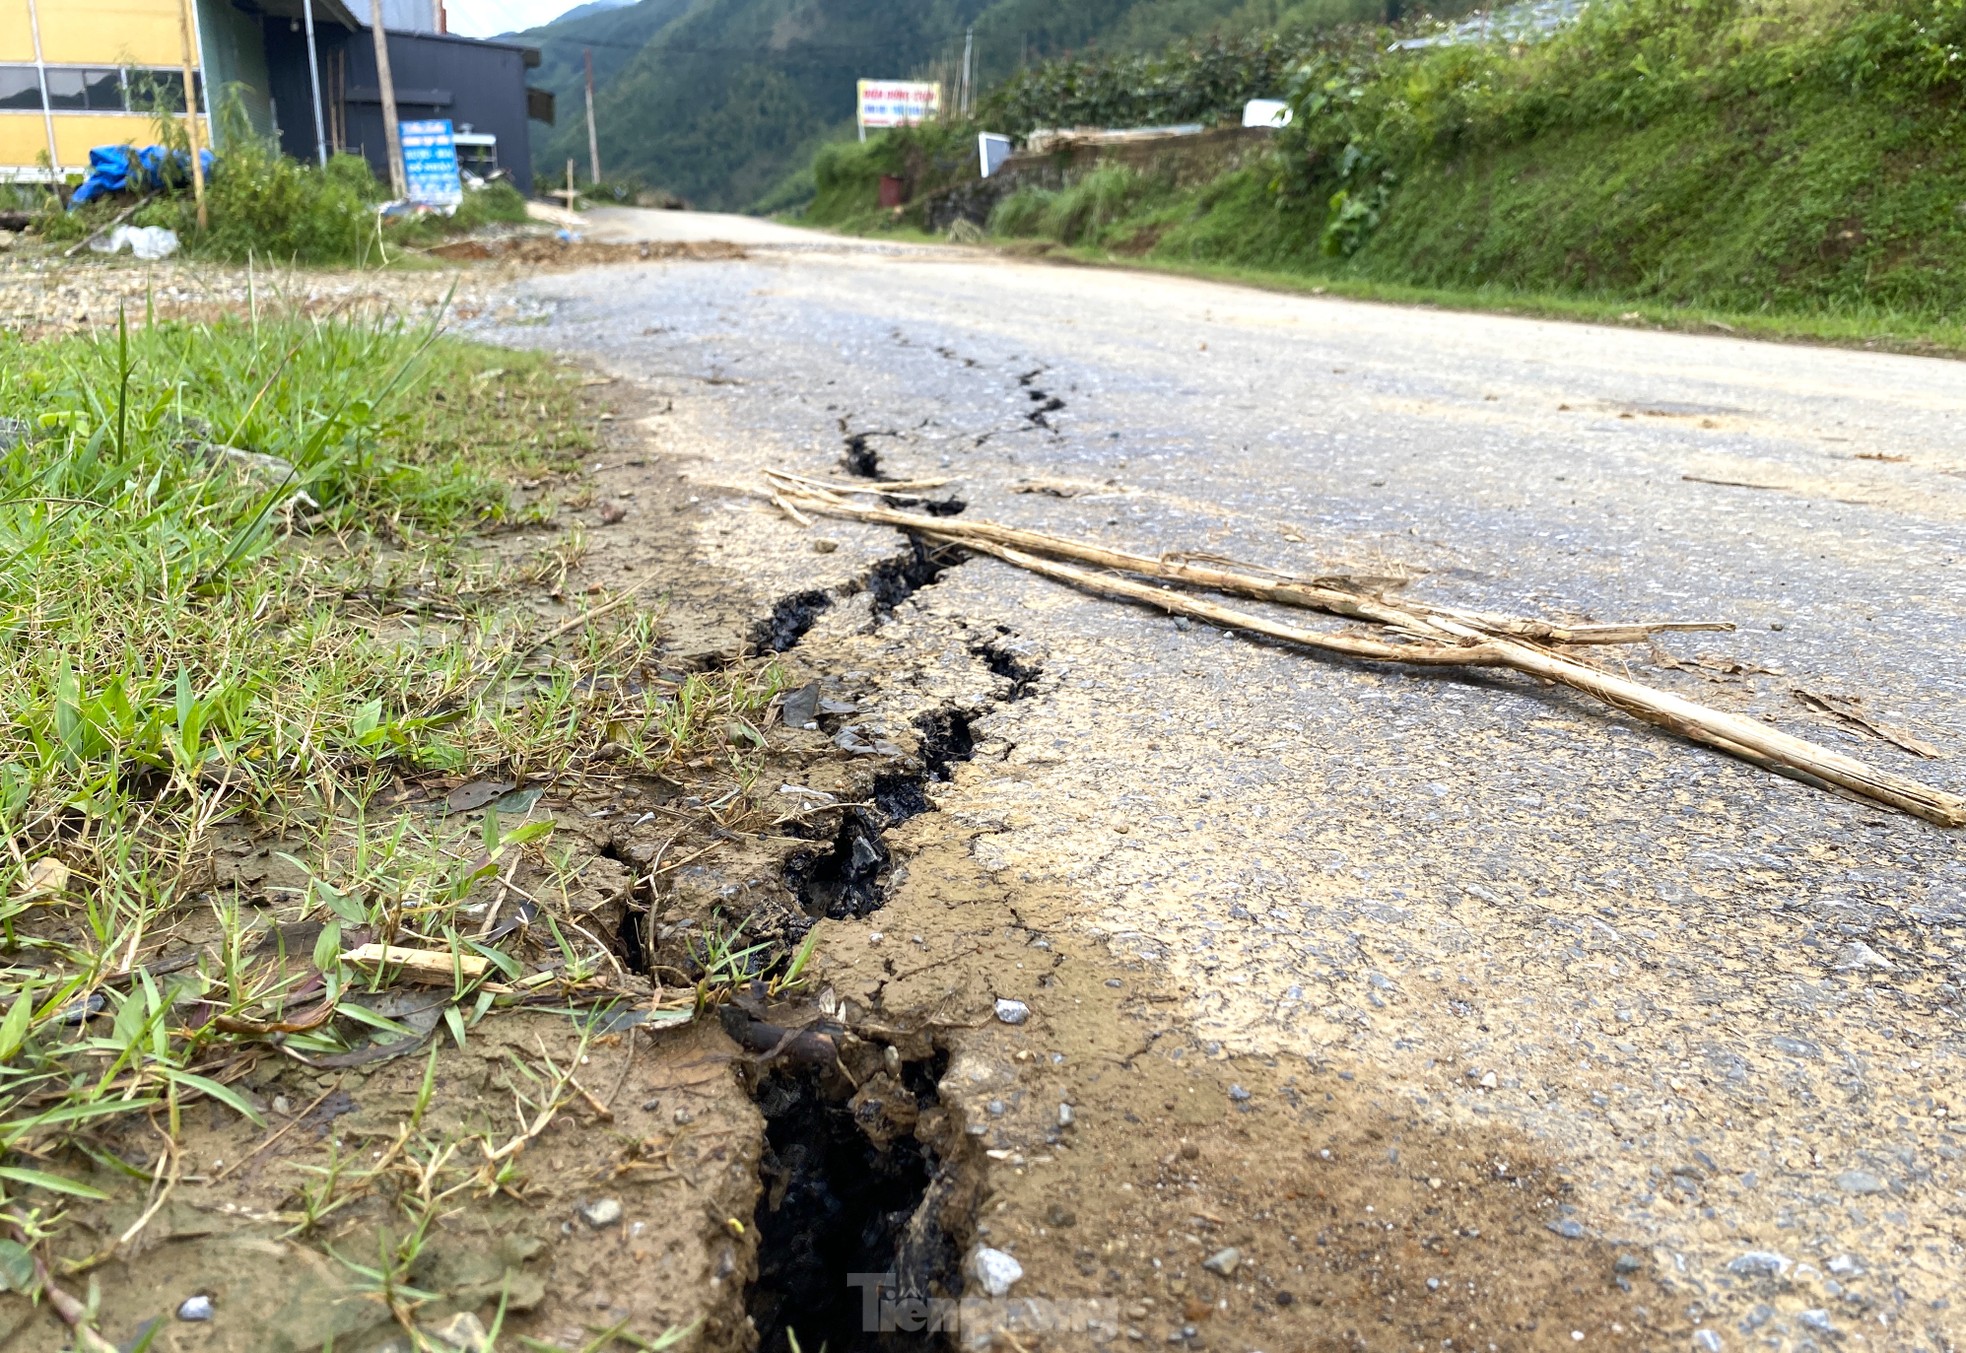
486,18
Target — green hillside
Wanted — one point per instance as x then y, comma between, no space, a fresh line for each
615,36
722,100
1757,157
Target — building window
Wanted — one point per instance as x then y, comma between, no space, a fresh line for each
67,90
20,87
148,89
104,90
78,89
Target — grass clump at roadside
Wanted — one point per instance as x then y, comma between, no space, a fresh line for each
262,204
241,602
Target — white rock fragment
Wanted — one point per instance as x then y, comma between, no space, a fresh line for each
1223,1261
1760,1263
993,1270
1012,1012
464,1332
1856,956
601,1213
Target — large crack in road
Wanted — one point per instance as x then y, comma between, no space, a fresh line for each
1367,1009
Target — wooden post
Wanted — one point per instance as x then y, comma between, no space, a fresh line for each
569,183
968,99
593,140
192,130
392,133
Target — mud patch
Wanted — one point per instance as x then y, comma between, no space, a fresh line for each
1164,1194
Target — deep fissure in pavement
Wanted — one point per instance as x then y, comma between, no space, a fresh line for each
847,879
631,937
1021,672
853,1199
893,581
889,582
951,506
789,620
859,459
1047,403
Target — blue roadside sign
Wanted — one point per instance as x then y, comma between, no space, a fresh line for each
430,163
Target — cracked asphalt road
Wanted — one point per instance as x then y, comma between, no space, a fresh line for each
1727,1005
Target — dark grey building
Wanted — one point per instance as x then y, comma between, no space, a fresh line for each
479,86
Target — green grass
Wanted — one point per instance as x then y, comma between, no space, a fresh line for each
261,204
1871,330
240,599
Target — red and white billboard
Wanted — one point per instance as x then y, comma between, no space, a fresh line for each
898,103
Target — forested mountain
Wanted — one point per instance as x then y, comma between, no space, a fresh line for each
719,100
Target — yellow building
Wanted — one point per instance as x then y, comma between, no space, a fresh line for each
78,74
81,73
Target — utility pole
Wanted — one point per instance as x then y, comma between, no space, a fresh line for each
969,71
314,74
593,140
392,133
192,130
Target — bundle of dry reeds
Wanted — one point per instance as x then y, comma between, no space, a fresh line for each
1408,631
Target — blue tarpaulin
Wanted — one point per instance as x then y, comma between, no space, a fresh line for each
121,169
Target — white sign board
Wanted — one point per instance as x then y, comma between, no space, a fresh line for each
1266,113
991,151
897,103
430,164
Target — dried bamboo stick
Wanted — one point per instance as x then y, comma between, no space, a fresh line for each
1731,731
1477,647
872,486
1320,594
1473,654
439,966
